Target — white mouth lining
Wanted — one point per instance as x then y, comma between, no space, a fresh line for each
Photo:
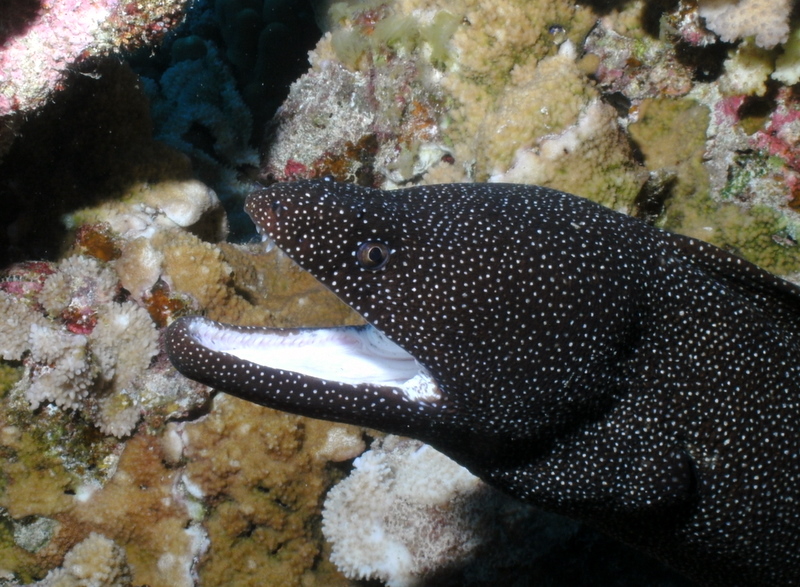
352,355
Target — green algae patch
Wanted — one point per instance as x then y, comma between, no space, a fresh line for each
10,374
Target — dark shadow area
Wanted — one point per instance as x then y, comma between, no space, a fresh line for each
91,143
652,12
603,7
16,16
265,45
651,200
707,63
584,559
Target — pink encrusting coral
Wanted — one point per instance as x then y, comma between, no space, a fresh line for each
32,64
781,135
64,32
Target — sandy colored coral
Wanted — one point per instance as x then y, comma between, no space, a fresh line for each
787,66
484,97
553,130
80,280
590,158
259,473
549,97
389,520
199,269
92,351
160,544
671,133
130,338
16,318
747,70
490,46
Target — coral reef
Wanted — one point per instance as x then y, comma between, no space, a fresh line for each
88,355
409,528
388,129
407,515
262,475
538,118
787,65
64,31
97,561
732,20
643,108
572,144
462,77
79,339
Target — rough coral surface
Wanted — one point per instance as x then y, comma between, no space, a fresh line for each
97,561
92,346
766,20
387,521
495,95
261,474
91,349
64,31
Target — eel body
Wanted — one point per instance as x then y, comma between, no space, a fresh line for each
572,356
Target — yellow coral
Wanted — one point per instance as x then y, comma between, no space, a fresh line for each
260,472
159,546
544,100
549,127
515,34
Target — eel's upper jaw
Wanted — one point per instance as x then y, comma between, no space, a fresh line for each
353,355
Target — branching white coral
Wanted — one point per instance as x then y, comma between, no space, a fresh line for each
766,20
64,372
91,355
16,319
78,276
126,339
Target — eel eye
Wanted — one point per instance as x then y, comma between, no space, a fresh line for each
373,255
278,208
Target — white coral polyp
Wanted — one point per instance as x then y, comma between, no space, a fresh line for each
95,562
64,375
124,341
62,384
16,319
732,20
78,276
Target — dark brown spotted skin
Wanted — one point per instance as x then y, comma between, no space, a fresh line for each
593,365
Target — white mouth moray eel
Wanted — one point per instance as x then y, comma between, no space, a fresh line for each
572,356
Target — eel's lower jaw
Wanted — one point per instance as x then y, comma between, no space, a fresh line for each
350,355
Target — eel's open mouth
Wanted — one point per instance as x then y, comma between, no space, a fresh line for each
352,355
